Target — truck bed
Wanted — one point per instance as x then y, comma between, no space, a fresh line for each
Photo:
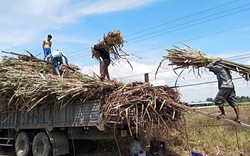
75,115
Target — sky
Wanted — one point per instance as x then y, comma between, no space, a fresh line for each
217,28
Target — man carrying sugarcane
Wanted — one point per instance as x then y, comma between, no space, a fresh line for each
56,59
47,46
104,61
107,50
226,89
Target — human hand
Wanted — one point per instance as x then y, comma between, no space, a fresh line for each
218,59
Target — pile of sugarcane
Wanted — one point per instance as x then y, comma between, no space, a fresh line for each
113,44
142,103
183,58
27,83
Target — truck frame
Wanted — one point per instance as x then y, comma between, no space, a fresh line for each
52,131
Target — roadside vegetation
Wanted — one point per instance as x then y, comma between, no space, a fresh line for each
195,133
213,137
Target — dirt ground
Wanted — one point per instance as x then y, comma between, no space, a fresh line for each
9,151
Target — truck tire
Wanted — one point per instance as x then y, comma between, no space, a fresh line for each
23,144
41,145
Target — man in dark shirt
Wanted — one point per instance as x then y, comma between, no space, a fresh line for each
104,62
157,146
226,89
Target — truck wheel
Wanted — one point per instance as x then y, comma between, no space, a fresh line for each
23,144
41,145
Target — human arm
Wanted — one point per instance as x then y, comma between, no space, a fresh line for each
43,44
48,57
65,58
213,65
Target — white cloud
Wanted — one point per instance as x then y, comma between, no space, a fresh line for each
15,38
22,21
167,77
122,71
69,39
112,5
248,62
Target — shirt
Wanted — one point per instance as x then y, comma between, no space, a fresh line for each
55,54
103,51
223,75
135,148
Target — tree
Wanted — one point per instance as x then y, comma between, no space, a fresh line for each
209,99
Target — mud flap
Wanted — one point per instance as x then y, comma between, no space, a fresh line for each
59,141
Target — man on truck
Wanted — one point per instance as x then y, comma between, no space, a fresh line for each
56,59
47,46
104,62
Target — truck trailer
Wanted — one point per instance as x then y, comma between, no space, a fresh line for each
52,131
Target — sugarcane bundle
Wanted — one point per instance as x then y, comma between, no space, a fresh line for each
182,58
112,43
152,105
114,38
25,84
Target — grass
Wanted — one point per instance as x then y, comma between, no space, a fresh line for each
196,133
243,103
213,137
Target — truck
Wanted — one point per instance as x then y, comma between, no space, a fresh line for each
53,131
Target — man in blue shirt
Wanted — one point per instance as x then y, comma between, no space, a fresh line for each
226,89
56,59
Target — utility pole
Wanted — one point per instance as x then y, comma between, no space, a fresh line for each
146,78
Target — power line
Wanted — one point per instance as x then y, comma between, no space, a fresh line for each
202,83
78,51
237,56
226,30
202,18
176,20
191,39
78,55
241,58
191,25
197,13
194,38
